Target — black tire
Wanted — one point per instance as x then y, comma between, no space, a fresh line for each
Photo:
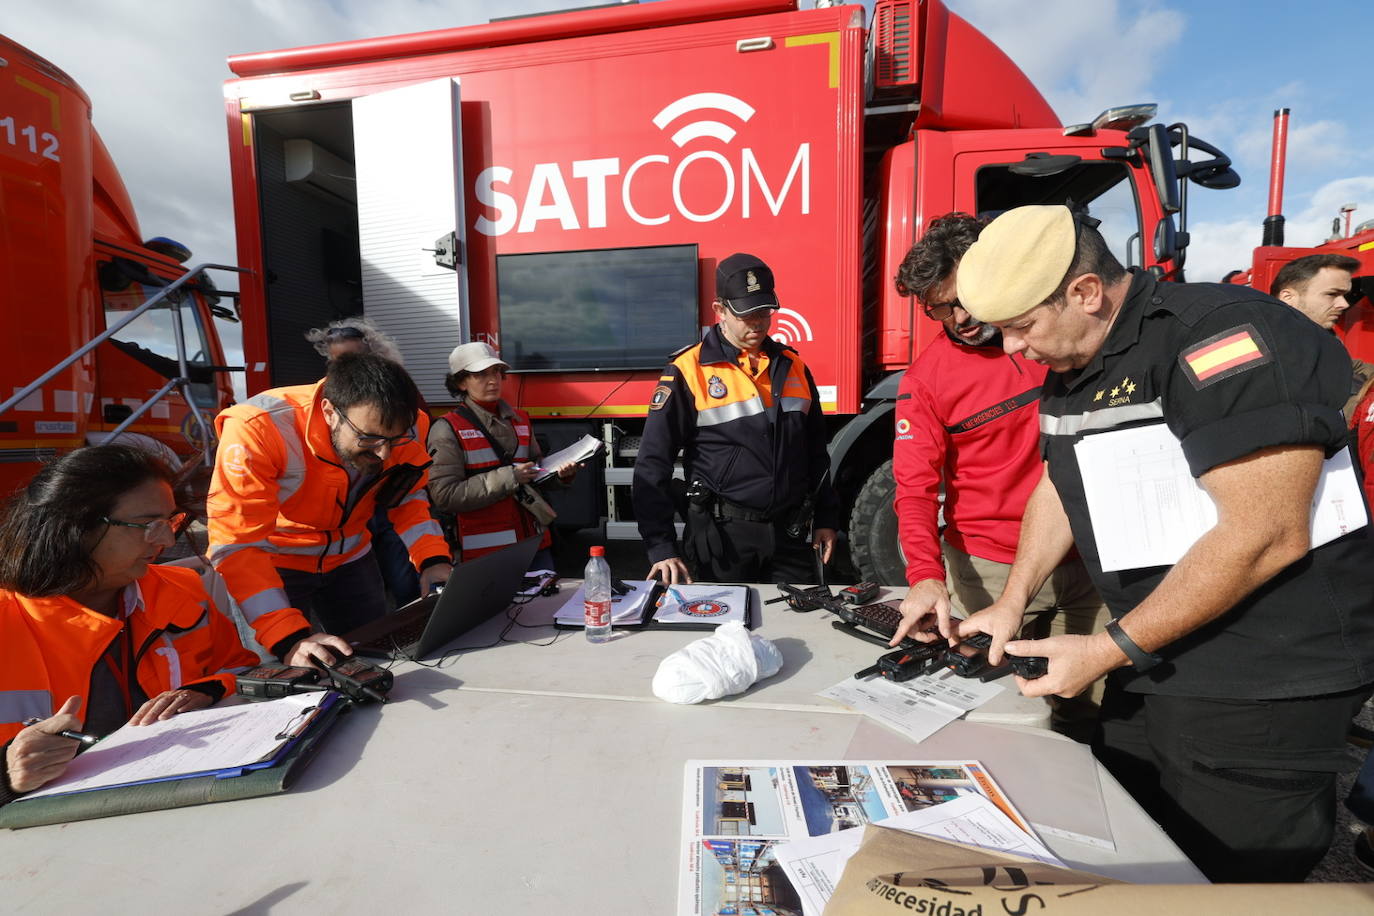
873,541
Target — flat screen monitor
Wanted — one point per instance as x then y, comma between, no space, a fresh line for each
616,308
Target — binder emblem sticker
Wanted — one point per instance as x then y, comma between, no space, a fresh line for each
705,609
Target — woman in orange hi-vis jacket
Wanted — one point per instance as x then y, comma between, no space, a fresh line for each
92,633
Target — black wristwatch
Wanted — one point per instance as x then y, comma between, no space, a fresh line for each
1141,660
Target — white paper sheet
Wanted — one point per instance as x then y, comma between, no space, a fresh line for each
1147,509
814,864
703,604
206,740
580,450
917,708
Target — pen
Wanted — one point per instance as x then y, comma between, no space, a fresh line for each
677,595
65,733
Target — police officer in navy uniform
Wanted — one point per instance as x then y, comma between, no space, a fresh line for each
744,412
1235,671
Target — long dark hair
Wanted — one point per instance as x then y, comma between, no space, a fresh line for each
45,543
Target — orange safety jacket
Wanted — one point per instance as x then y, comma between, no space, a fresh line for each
278,498
49,647
504,522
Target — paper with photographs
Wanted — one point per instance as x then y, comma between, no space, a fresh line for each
735,814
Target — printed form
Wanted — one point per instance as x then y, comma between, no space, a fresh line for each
203,741
1147,509
917,708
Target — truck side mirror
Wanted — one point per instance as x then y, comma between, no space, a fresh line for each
1161,157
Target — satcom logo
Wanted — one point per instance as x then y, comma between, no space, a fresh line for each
701,101
790,327
701,187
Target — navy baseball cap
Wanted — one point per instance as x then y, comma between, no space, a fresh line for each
745,284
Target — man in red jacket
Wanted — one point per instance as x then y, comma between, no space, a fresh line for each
967,418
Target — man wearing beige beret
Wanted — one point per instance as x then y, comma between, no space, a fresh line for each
1234,672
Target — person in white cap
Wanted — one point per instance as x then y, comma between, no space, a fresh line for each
1236,670
485,456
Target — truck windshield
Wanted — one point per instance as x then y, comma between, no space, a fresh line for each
151,337
1101,188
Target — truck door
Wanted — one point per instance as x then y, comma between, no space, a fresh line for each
407,148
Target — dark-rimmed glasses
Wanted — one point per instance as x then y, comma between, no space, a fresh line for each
156,530
942,310
371,440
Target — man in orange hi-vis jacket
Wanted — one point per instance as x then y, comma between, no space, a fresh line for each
298,473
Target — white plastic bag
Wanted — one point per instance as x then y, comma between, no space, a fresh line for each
726,662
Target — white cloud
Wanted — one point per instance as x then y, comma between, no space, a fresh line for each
1083,57
154,71
1220,246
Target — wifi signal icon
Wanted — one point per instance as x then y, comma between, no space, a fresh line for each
702,101
789,327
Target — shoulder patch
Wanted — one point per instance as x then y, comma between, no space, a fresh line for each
660,397
1223,355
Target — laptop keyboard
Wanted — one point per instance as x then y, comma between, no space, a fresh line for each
407,635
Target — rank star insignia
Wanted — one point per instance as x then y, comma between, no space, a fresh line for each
1098,396
1130,387
715,387
1116,391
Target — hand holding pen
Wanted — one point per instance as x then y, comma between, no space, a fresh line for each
44,747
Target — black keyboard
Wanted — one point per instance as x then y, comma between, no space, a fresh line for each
397,639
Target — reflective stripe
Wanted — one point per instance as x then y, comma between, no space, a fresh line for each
415,532
418,494
1102,418
18,705
220,552
712,416
476,456
795,404
264,602
170,653
523,451
490,539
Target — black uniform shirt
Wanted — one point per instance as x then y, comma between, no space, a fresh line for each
1231,371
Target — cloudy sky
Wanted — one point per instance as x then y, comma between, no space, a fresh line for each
154,69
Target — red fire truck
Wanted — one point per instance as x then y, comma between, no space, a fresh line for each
564,185
73,265
1356,326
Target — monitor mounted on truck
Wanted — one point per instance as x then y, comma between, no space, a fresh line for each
610,308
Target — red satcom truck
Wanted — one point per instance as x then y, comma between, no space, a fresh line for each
564,185
73,264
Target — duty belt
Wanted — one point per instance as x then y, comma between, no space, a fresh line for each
726,509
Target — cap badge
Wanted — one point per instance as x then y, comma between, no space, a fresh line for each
751,282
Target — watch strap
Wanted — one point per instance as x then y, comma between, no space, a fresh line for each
1141,660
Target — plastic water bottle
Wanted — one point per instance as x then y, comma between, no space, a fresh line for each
596,597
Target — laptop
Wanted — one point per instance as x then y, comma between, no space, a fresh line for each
476,591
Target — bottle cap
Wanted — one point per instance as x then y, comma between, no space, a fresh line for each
598,551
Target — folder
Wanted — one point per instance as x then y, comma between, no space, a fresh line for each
268,777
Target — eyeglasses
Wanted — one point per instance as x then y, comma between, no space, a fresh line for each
942,311
344,333
370,441
156,530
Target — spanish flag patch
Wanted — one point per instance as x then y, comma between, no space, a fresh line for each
1224,355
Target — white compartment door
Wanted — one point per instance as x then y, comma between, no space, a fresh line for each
407,149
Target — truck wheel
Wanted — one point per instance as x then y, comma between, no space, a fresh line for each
873,541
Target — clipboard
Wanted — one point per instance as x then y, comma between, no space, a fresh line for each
267,777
